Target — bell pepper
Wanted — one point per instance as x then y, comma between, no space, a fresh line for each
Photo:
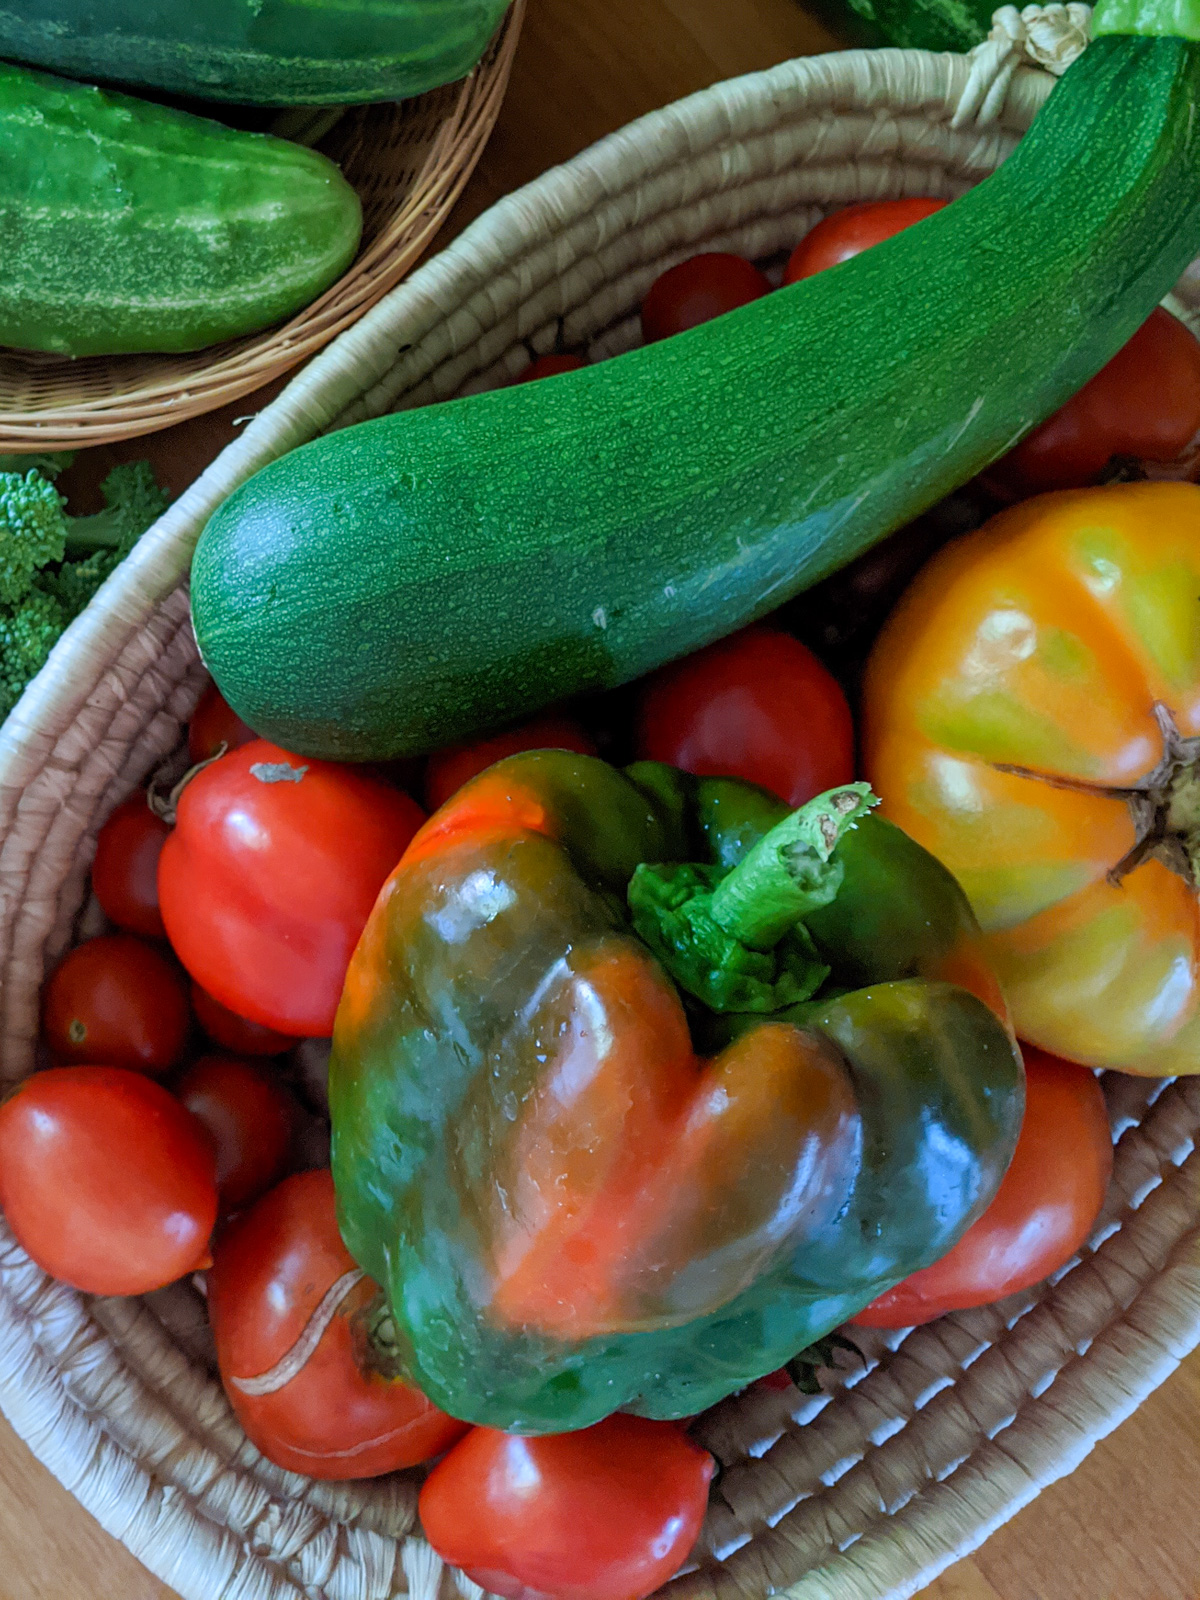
641,1083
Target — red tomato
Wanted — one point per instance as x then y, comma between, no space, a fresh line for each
448,770
225,1027
697,290
607,1513
269,877
758,706
780,1379
1044,1209
106,1180
330,1417
1145,403
215,723
116,1001
125,871
249,1116
852,230
550,367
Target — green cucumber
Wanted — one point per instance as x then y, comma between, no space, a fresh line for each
908,24
264,52
419,578
128,227
962,24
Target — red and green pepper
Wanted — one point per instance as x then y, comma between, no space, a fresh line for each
592,1177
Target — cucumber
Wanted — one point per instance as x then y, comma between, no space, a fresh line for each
908,24
419,578
126,226
265,52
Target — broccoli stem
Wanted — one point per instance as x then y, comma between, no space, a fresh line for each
49,464
105,530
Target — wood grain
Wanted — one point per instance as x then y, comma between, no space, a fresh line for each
1124,1526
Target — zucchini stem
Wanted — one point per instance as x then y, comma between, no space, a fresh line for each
1151,19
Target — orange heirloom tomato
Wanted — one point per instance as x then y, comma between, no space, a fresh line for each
1032,717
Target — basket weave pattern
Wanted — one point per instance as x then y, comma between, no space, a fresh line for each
409,163
908,1461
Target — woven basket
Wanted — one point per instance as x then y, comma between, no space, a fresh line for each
409,163
863,1493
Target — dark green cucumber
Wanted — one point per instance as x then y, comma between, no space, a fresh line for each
908,24
264,52
415,579
126,226
962,24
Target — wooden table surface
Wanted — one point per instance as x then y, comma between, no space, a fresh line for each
1125,1525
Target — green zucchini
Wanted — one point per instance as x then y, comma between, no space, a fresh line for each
264,52
419,578
126,226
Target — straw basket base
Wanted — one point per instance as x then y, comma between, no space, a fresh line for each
409,163
908,1460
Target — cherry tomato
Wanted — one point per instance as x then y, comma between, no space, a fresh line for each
215,723
249,1115
1044,1210
697,290
448,770
852,230
116,1001
125,871
758,706
106,1180
326,1413
778,1380
269,876
226,1028
608,1513
1145,403
550,367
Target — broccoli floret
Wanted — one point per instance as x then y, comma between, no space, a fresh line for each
75,582
33,531
51,564
28,633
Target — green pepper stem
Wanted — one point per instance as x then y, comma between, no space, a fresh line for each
789,872
737,942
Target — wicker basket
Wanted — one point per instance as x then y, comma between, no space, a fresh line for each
864,1493
409,163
